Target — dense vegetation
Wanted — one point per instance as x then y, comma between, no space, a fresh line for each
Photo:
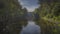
12,17
49,16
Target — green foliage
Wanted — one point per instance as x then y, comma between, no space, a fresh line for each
49,12
10,16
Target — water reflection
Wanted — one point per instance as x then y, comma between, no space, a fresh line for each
31,28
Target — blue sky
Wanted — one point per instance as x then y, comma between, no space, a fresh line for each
29,4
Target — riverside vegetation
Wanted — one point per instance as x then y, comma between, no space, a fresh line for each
13,16
49,16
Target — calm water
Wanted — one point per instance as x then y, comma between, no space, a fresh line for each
31,28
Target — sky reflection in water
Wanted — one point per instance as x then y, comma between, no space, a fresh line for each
31,28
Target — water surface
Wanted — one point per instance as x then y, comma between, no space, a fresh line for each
31,28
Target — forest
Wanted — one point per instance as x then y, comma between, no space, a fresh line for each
13,16
49,16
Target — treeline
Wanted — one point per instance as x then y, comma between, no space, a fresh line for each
12,17
50,9
49,16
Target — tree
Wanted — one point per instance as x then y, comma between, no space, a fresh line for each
49,12
10,13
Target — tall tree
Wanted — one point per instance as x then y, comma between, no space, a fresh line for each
48,11
10,22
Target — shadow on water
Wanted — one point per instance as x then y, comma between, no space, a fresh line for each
31,28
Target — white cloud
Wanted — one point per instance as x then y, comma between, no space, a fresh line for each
27,5
32,8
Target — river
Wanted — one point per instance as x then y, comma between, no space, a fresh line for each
31,28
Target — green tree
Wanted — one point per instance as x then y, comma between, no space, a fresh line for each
10,13
49,12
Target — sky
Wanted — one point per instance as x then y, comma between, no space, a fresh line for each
29,4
